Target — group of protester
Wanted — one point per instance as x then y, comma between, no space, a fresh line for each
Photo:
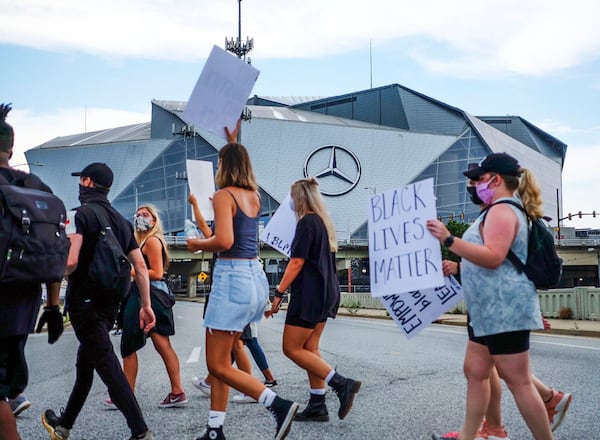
239,295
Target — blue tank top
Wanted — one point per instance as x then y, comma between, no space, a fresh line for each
245,235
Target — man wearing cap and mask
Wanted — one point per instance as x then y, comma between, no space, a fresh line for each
93,312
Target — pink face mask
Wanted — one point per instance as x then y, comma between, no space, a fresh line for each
485,193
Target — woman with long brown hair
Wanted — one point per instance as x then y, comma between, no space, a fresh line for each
239,290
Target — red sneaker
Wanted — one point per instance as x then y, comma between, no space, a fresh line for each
557,407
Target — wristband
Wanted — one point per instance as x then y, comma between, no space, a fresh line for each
448,242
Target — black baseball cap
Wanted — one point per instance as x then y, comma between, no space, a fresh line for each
100,174
500,163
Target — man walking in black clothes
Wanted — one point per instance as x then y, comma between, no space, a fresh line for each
19,306
93,311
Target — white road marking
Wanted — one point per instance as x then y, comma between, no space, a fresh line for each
195,355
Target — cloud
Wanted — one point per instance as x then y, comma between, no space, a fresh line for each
33,129
527,37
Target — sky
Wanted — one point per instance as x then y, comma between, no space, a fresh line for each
70,67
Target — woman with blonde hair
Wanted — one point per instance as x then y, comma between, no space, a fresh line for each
315,296
502,302
239,291
150,237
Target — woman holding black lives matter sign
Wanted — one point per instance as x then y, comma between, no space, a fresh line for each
315,296
502,302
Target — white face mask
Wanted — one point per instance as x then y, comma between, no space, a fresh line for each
142,224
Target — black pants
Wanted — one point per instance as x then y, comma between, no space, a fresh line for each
13,367
96,353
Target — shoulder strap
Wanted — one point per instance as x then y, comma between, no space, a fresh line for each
100,214
18,178
511,255
233,197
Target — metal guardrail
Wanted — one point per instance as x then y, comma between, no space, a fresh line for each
584,302
575,242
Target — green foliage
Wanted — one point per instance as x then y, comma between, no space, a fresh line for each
457,229
352,307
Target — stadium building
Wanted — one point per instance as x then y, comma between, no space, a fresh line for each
357,144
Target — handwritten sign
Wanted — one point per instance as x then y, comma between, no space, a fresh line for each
202,184
414,311
403,255
279,232
221,92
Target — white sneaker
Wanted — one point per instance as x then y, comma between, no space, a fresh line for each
201,385
243,398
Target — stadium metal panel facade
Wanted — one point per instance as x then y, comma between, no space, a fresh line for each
381,139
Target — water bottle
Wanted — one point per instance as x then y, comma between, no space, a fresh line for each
189,229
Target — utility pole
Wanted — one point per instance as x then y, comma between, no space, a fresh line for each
241,49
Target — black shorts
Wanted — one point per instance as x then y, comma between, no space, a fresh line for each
291,319
502,343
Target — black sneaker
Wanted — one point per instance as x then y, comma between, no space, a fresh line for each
346,389
283,412
52,424
314,412
212,434
270,383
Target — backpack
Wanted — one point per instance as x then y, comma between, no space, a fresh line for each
543,266
33,244
109,269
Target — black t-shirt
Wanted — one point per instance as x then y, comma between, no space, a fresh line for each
19,307
89,227
315,289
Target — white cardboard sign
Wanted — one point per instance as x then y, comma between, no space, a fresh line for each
221,92
202,184
281,229
414,311
403,255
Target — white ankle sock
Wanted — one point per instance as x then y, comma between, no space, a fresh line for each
216,418
267,397
318,391
329,376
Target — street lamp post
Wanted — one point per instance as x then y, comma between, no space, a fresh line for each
135,191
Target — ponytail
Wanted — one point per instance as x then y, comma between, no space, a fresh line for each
530,194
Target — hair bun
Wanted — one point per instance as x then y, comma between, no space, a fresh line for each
4,109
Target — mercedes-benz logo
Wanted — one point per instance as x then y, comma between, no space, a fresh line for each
341,173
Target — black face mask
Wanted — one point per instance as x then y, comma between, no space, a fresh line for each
473,194
88,194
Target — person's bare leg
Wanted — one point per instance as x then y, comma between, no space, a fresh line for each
493,415
130,368
219,345
543,390
294,340
516,372
163,346
8,424
477,366
242,360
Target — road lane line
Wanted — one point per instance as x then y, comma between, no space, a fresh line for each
194,355
567,345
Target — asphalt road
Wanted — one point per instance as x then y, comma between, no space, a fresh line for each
410,388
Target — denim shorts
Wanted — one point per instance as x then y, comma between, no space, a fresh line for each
238,296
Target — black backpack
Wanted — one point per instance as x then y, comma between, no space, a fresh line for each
543,266
109,269
33,244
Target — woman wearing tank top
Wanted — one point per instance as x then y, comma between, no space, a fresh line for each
239,290
502,302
